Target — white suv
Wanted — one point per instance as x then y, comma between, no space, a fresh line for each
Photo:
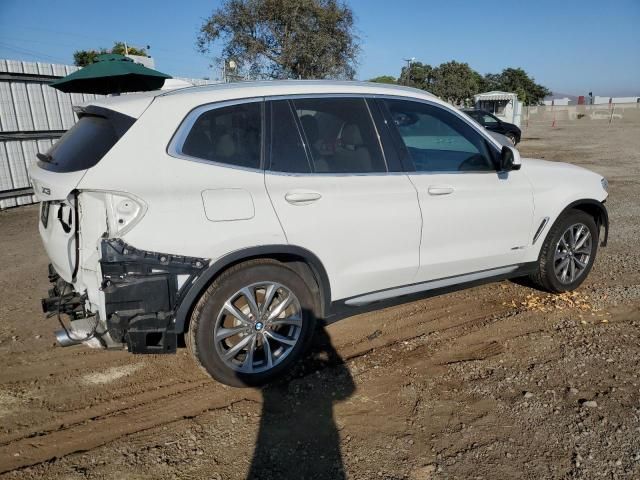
236,215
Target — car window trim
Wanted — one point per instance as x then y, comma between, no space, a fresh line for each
474,125
185,125
174,148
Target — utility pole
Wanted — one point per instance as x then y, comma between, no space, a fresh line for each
408,75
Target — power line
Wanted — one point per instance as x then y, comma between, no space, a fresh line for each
30,53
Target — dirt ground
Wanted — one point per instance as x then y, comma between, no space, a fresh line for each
499,381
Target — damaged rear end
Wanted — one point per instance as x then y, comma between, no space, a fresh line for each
105,293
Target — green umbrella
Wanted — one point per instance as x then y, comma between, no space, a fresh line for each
111,73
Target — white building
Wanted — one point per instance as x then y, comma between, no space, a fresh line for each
503,105
565,101
598,100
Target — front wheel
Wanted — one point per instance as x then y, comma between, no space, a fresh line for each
252,323
568,253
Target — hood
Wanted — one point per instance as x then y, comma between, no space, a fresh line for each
539,165
547,176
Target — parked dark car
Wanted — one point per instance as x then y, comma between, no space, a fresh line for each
493,123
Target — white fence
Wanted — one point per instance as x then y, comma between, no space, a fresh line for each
33,115
614,114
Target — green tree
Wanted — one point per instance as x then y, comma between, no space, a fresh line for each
418,75
82,58
518,81
384,79
284,38
456,82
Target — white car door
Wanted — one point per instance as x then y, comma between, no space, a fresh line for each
476,221
331,189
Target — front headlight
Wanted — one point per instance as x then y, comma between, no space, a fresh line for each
605,184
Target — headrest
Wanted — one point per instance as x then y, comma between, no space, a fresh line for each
225,146
351,135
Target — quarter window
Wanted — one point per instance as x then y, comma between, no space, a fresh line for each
229,135
438,141
340,135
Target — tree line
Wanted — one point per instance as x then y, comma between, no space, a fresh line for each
457,82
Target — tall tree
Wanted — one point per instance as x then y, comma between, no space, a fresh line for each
418,75
284,38
82,58
456,82
518,81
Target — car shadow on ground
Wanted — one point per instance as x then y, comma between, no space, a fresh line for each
298,436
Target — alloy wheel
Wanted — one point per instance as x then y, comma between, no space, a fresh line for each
257,327
572,253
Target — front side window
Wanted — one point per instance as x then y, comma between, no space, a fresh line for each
229,135
340,135
437,140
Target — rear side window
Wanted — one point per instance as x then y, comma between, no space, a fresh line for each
340,135
82,146
229,135
286,148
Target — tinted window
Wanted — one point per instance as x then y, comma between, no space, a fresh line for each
229,135
488,120
82,146
340,135
438,140
287,150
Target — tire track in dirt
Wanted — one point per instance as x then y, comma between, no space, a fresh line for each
87,429
95,432
112,407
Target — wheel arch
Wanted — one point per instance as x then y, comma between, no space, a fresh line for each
594,208
304,262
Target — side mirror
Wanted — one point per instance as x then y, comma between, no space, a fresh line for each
509,159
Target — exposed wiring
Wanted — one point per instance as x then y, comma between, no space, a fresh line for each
89,336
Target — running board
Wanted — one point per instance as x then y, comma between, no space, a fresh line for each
430,285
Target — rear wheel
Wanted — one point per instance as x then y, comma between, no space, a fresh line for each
568,253
252,323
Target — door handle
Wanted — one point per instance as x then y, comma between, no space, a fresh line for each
440,190
302,198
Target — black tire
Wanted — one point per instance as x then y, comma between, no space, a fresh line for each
200,338
545,277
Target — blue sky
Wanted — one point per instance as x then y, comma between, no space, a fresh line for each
569,46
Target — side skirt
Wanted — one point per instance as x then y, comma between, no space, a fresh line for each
397,296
